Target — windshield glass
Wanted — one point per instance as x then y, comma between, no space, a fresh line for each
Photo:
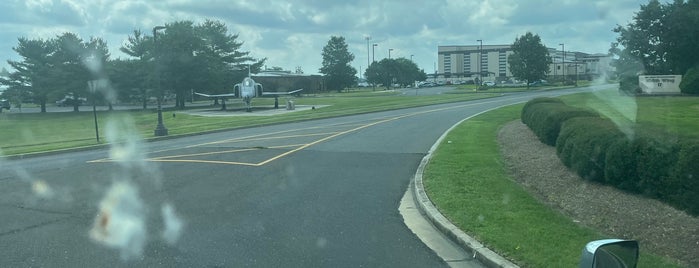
126,137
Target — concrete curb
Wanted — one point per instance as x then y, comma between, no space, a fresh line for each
469,244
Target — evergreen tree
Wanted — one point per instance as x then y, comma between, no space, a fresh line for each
339,74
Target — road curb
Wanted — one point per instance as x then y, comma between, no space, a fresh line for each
426,207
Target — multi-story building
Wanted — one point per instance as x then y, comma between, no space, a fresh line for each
489,63
471,62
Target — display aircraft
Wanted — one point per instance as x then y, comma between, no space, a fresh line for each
248,89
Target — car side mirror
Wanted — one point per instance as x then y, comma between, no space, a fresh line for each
610,253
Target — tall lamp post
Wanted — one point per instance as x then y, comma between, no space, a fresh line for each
389,52
480,59
160,130
576,69
373,52
367,49
563,47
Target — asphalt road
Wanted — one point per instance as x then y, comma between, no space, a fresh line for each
321,193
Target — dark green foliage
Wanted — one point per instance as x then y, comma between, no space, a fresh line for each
530,59
545,116
684,178
652,162
620,166
656,154
394,71
540,100
643,163
661,39
583,145
629,85
690,81
337,69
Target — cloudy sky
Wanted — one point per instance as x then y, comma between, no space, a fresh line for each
293,34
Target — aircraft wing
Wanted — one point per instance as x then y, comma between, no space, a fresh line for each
216,95
281,93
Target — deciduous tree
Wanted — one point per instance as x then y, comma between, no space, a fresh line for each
530,59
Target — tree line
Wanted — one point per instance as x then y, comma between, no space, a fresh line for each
661,39
180,57
339,74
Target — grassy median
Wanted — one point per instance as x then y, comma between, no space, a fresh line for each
32,132
467,180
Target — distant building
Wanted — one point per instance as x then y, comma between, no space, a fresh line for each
466,63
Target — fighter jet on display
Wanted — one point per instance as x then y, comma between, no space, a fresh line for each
246,90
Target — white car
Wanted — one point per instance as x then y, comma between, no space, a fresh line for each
489,83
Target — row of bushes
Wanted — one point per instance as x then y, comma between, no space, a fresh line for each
544,116
653,162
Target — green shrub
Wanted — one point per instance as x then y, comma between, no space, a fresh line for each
526,110
682,186
620,166
656,154
690,81
629,84
583,144
544,118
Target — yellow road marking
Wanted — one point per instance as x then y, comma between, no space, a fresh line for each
201,154
325,139
275,138
205,161
259,137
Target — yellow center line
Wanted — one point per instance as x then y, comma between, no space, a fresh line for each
204,162
327,138
277,137
264,136
201,154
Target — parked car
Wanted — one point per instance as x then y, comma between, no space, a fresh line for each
69,100
538,83
489,83
4,104
426,84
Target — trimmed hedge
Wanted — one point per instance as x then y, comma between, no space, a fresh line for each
545,117
620,166
683,192
690,81
653,162
583,143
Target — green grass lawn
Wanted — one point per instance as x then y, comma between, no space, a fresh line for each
498,89
677,115
468,182
26,133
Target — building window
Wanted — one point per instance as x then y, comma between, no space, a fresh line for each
467,62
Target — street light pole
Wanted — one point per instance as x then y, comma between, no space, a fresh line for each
160,130
480,59
389,52
576,69
373,52
367,49
563,47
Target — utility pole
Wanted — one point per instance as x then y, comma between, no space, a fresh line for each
367,49
563,47
480,60
373,52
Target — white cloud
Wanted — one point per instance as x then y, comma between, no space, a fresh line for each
292,34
